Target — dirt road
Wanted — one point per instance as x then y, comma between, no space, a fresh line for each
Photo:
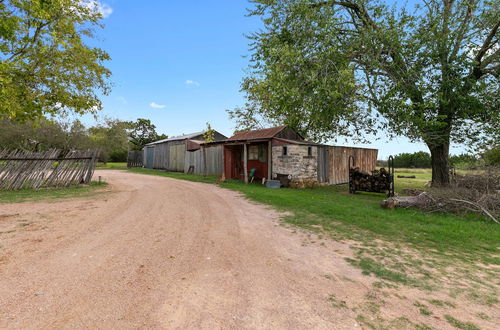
162,253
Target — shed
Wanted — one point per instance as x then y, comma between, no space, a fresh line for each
177,154
280,152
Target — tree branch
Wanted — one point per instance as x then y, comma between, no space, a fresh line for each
487,43
461,31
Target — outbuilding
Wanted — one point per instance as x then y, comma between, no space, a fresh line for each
180,153
282,153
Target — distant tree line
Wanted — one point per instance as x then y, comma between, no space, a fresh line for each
421,159
112,137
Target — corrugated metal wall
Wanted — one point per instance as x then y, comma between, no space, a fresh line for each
161,156
338,158
176,158
194,158
214,161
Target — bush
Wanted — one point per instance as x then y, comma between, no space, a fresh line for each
492,156
118,156
464,161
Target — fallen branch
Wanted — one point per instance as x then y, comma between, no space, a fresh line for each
478,207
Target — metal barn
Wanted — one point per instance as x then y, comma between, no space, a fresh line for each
178,153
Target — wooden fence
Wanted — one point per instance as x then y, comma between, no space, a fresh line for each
207,161
25,169
134,158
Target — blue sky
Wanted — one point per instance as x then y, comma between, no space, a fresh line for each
180,64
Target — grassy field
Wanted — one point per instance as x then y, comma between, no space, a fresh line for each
25,195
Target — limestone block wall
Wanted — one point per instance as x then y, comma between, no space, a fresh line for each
296,162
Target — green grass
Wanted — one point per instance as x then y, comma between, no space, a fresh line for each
370,266
459,324
24,195
332,210
176,175
111,166
360,217
421,178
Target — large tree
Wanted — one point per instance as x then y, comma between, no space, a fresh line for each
331,68
142,132
46,63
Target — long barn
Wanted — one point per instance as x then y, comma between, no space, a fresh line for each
179,153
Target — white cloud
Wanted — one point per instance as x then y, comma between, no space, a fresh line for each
192,83
99,7
155,105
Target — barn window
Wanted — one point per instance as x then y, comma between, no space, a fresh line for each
285,151
262,153
309,151
253,153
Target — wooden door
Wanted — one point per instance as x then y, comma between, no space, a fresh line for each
237,164
150,154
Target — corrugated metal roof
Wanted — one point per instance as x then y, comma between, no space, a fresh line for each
306,143
193,144
177,138
266,133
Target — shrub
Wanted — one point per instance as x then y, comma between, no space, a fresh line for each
464,161
118,156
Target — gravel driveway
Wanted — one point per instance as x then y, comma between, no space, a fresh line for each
156,252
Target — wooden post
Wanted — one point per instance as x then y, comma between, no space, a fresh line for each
270,160
223,178
245,161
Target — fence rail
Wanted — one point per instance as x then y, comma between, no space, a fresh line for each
25,169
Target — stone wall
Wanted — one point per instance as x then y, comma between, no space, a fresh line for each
296,163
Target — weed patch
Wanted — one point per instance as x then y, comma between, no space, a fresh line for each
459,324
23,195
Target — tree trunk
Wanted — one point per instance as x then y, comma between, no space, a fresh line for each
440,164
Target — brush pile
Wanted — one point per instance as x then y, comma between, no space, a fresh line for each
479,193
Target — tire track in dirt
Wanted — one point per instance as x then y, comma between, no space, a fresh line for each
163,253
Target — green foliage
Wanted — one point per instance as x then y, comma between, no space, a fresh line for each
143,132
46,67
464,161
329,68
419,159
118,156
43,134
111,137
209,134
492,156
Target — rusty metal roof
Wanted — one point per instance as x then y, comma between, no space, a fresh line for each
305,143
177,138
266,133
